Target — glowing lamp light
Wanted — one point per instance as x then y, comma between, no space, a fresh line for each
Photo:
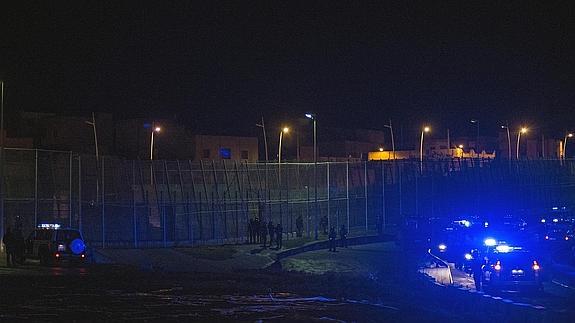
490,242
486,224
466,223
426,129
546,237
380,148
442,247
468,256
555,208
543,221
566,238
555,220
460,146
524,130
497,266
57,255
536,265
285,130
157,129
61,247
503,248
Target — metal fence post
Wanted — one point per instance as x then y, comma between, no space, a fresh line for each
328,197
35,188
364,191
103,204
347,191
80,193
134,217
70,192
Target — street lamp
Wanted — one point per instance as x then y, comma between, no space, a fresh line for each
522,130
314,118
424,130
154,129
284,130
263,126
392,141
380,148
476,123
506,127
569,135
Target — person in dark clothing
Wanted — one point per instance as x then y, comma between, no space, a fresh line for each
279,237
9,244
264,234
332,239
271,231
343,236
477,269
257,228
299,226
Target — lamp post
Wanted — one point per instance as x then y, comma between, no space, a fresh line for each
392,141
476,123
154,129
314,118
93,124
284,130
424,130
263,126
506,127
569,135
522,130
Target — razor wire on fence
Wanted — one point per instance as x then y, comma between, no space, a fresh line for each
135,203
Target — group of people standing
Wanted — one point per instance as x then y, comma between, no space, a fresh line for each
14,244
258,232
333,238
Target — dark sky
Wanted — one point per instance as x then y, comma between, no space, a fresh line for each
225,64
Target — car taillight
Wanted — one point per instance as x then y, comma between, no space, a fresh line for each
497,265
535,265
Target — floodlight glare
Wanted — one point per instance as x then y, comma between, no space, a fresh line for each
490,242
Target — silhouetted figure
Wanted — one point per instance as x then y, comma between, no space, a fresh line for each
343,236
9,245
299,226
271,231
279,236
257,228
264,234
332,239
477,269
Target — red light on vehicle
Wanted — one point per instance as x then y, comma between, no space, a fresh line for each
536,265
497,265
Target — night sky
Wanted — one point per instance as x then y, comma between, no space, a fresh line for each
225,64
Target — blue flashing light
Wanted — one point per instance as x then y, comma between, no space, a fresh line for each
490,242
